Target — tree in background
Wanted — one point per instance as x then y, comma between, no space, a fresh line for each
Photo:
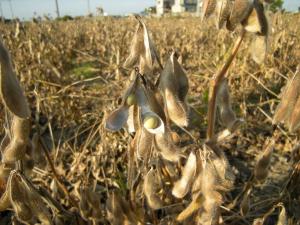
276,5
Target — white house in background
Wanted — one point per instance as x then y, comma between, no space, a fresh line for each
163,6
177,6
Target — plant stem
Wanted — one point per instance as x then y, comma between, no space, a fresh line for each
56,176
214,84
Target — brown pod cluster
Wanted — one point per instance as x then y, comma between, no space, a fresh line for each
250,14
213,178
16,144
288,111
227,116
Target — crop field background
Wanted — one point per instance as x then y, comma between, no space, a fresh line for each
73,76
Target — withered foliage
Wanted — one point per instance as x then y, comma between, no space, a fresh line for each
64,92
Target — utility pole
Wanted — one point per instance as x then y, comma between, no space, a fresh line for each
1,11
57,8
89,7
11,9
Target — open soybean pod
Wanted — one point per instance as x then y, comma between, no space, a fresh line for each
150,112
174,87
289,99
11,92
182,186
118,118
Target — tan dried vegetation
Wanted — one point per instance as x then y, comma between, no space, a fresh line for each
194,139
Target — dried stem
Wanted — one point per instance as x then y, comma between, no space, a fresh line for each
214,84
56,176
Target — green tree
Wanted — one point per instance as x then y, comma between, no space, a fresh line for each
276,5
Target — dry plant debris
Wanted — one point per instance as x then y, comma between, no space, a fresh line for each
194,138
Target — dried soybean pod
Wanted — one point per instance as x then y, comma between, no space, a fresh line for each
5,200
245,203
5,169
258,48
257,21
143,142
240,10
282,218
166,147
208,8
191,208
223,12
289,98
19,198
182,186
151,188
11,92
262,166
258,221
142,50
136,49
294,120
14,151
227,115
20,128
174,87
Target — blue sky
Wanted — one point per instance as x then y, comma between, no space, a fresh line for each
26,8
